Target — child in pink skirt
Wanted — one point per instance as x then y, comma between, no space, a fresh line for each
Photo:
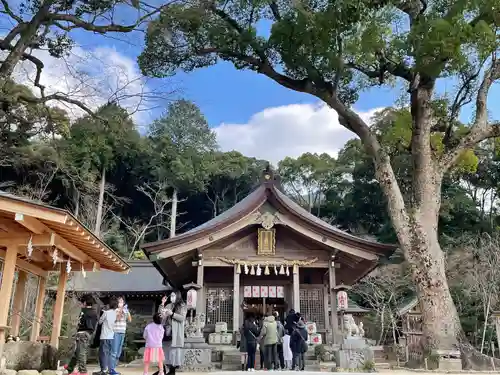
153,334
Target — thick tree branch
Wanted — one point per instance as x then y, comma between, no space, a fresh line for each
480,129
386,65
77,23
9,12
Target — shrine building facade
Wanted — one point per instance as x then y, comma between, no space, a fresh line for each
266,252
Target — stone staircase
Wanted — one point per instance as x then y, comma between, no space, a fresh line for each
231,361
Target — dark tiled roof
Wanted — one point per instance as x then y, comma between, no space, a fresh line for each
143,277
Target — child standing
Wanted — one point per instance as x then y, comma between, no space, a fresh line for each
287,352
153,334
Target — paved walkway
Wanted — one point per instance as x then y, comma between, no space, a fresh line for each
138,371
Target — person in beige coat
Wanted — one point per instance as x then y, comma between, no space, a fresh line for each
173,316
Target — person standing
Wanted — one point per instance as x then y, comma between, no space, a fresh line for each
279,344
173,317
107,321
298,345
242,345
269,337
153,334
251,332
287,352
86,326
122,317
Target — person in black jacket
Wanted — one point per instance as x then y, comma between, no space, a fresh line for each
86,327
298,345
290,321
251,331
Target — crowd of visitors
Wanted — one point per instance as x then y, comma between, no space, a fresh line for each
281,347
106,332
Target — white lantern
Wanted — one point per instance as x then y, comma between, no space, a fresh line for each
342,301
191,299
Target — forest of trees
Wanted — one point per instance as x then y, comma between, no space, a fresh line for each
129,187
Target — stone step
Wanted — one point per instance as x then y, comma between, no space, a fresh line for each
382,366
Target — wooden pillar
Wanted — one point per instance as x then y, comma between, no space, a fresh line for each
59,307
236,299
296,288
200,302
17,306
40,301
9,271
334,319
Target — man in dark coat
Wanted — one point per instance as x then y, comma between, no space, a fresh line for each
298,345
251,331
291,320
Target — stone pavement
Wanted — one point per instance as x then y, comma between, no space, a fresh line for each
138,371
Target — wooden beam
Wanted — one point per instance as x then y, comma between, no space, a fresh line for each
17,306
7,279
14,206
26,266
40,302
59,307
69,249
9,226
22,239
30,223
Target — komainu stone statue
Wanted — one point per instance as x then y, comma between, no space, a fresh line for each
194,327
350,326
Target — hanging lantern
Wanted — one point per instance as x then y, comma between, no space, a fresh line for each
266,270
287,271
282,270
191,297
275,270
258,272
342,301
84,274
252,271
54,257
68,266
238,269
29,247
246,269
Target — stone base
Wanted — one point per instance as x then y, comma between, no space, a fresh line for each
353,353
197,359
450,364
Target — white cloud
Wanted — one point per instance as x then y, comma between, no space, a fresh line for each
289,130
94,77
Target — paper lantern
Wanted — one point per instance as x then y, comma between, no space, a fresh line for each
191,299
266,270
282,270
342,301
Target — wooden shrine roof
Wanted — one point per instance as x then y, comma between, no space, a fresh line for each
363,254
268,191
49,229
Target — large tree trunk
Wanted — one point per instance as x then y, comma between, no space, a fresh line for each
173,217
100,204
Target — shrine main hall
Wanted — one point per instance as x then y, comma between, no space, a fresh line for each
266,252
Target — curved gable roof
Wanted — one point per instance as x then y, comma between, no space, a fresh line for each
268,191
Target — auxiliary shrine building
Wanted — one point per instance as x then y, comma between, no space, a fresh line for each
266,252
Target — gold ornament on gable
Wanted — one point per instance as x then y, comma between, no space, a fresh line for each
266,244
